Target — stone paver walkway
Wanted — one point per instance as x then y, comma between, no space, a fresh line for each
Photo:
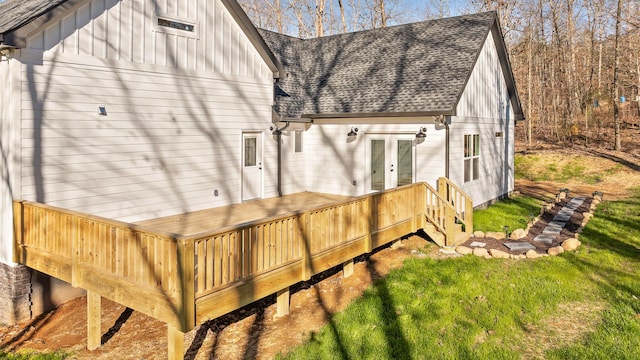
555,226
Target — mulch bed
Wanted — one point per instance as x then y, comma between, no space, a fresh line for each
572,228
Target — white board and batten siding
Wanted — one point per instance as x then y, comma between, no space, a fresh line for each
176,101
485,109
333,161
9,153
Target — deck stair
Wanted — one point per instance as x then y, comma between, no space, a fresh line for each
454,224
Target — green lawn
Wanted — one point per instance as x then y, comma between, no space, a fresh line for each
515,212
28,355
582,305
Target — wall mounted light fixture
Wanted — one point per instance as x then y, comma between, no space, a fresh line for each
353,132
422,133
275,130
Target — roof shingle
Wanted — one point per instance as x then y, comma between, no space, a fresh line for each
16,13
414,68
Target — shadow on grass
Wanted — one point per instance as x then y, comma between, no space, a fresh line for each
397,345
613,229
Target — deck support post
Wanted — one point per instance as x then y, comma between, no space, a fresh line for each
283,303
94,332
175,343
347,268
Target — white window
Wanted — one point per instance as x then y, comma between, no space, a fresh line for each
471,157
176,26
297,141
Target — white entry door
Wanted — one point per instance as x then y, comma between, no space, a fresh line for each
390,161
251,166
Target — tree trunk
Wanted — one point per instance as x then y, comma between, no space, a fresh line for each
616,91
344,22
319,19
530,88
279,19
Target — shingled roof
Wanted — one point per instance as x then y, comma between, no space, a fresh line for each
16,13
414,69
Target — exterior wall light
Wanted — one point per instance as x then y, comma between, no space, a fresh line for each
422,133
353,132
275,130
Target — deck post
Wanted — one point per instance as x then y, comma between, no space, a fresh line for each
347,268
18,230
443,189
186,284
468,216
368,214
94,332
450,226
283,305
175,343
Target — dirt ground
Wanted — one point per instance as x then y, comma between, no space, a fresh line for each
254,332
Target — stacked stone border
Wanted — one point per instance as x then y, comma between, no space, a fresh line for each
570,244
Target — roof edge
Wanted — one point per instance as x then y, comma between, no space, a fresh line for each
375,115
240,16
17,36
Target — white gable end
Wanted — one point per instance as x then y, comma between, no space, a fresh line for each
486,94
485,109
199,35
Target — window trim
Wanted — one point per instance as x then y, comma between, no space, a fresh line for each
471,154
298,142
195,34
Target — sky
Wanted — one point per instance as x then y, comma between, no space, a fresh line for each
448,8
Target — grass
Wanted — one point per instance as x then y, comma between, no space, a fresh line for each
563,168
30,355
581,305
514,212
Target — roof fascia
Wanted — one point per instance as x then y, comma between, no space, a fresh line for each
17,37
252,33
376,115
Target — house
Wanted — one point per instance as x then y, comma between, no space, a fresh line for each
136,109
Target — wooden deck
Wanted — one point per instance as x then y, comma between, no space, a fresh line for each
189,268
197,222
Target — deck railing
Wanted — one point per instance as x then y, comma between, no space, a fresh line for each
184,280
461,203
136,267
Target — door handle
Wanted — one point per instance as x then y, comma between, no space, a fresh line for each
259,166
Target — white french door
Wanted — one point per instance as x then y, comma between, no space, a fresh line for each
251,165
390,161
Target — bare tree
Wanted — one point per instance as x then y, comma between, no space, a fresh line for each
342,18
616,90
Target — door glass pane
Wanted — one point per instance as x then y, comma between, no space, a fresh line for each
405,162
476,145
377,165
467,170
250,148
476,168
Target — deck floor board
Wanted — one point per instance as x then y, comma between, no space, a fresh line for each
197,222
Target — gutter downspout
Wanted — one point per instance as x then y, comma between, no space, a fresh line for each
445,122
278,133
